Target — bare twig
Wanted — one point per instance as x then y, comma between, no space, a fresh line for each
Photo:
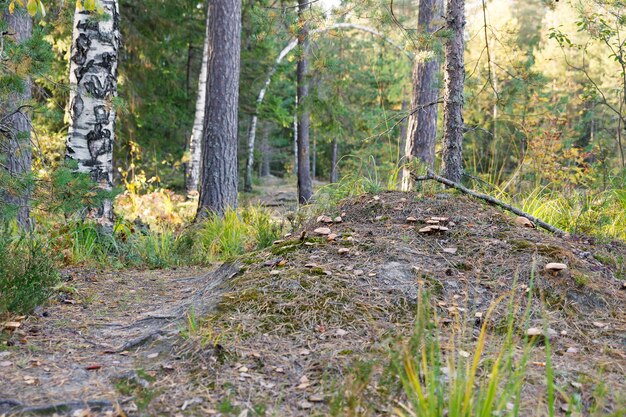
489,199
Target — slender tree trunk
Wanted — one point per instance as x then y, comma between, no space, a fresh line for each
218,189
305,187
195,142
314,160
452,168
334,169
15,152
265,152
402,141
295,141
93,86
422,130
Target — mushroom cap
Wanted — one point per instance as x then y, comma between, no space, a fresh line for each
555,266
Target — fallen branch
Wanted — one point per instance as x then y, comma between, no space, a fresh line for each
491,200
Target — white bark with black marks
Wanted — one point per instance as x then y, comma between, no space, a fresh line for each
93,87
195,142
422,125
454,77
15,145
218,182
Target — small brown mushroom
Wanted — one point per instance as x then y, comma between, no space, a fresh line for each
524,222
555,267
324,231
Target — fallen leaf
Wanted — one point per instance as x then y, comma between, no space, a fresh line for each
93,367
153,355
599,324
12,325
305,405
316,398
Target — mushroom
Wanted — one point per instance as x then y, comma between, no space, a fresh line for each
524,222
324,231
555,267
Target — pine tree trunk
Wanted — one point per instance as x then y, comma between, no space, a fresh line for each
334,169
422,130
195,142
93,87
15,151
218,182
452,168
305,187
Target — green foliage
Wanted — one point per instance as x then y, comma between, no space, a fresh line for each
27,272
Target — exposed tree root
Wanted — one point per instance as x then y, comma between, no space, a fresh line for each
17,408
491,200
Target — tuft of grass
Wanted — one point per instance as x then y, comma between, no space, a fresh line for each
27,273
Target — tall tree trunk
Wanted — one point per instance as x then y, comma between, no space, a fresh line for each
218,184
93,86
422,130
305,187
334,169
452,167
195,142
295,140
265,152
314,159
16,153
402,140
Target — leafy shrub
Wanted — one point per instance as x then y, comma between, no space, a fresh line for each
27,273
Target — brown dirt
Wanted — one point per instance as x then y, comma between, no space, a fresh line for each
307,330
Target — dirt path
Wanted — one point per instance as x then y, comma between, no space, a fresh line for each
103,339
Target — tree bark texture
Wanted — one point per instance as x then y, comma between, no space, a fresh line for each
218,182
15,148
305,186
93,87
422,126
452,167
402,142
195,142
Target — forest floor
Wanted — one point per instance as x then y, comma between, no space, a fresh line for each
307,327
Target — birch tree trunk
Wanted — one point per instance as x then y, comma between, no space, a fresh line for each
305,187
218,182
402,142
93,86
422,129
454,76
195,142
15,151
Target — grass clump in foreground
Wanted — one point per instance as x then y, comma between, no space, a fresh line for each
27,273
465,371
